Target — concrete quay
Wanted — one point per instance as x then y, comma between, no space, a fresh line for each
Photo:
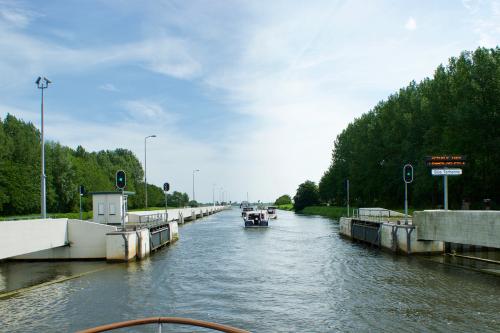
68,239
390,234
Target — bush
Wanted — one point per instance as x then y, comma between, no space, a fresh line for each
307,195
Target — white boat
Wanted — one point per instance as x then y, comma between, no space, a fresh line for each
256,219
272,211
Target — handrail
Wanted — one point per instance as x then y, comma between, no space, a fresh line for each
166,320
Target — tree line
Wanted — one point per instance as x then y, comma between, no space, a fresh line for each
65,170
457,112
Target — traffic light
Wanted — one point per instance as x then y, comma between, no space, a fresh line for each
121,179
80,189
408,173
166,187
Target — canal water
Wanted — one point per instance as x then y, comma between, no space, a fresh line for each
298,275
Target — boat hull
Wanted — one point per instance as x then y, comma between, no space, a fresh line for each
251,224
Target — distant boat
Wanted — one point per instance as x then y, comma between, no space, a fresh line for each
271,210
256,219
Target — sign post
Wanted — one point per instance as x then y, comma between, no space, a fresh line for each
445,162
80,191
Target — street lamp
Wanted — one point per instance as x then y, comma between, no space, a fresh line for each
193,184
145,172
213,193
221,195
43,201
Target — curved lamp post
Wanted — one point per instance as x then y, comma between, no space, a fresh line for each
43,201
145,172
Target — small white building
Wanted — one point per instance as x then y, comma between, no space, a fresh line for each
107,206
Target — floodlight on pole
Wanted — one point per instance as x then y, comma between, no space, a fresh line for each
193,184
43,200
145,173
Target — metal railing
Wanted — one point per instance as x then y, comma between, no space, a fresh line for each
376,215
152,220
166,320
30,218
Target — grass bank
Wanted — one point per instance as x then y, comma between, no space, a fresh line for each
335,212
286,207
72,216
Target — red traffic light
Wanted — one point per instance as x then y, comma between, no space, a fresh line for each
408,173
121,179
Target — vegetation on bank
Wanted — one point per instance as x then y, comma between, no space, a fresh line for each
65,169
286,207
457,112
73,216
307,195
336,212
283,200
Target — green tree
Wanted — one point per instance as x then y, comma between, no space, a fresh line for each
283,200
307,195
22,170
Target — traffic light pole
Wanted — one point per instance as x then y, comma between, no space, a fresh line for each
445,192
166,206
123,212
406,203
348,198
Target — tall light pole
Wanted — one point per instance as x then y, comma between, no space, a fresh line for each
221,195
213,193
193,184
43,185
145,172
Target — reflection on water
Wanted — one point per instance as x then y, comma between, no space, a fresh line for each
470,263
18,275
297,276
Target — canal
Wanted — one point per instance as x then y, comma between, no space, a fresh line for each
298,275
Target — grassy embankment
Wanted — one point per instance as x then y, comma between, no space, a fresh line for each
73,216
336,212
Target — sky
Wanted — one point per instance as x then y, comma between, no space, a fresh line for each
251,93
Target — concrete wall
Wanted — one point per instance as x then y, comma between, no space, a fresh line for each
87,240
174,231
173,214
416,246
387,232
345,226
121,246
143,243
480,228
25,236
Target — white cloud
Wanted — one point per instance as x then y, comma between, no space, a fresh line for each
411,24
108,87
17,18
146,111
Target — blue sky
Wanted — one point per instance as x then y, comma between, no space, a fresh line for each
251,93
